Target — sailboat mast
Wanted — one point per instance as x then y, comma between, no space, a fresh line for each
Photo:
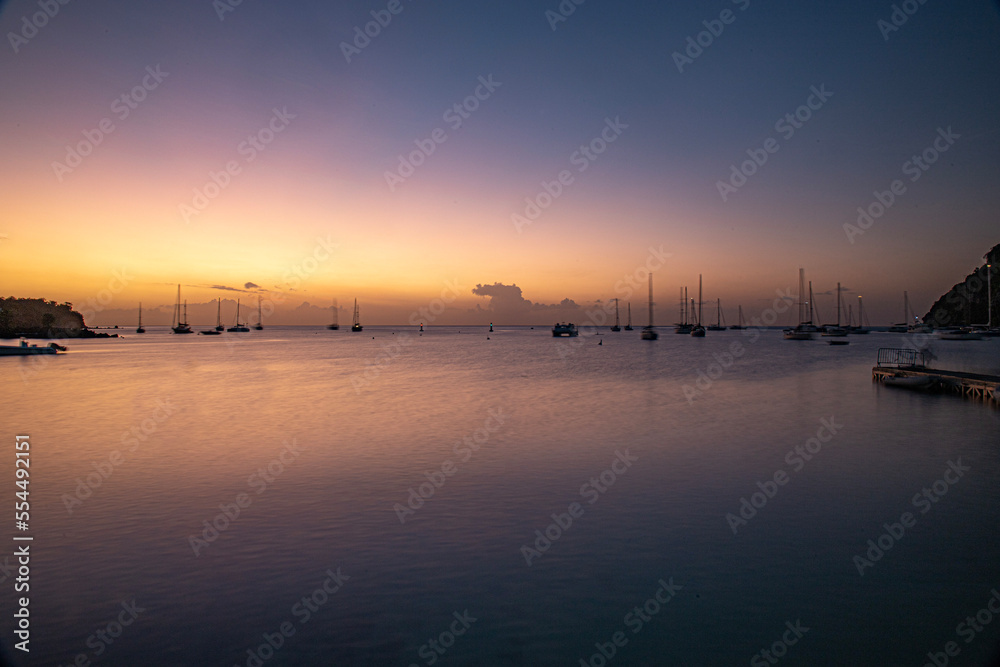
699,298
802,295
718,312
651,300
810,301
838,305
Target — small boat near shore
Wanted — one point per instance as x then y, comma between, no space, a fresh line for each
963,333
25,350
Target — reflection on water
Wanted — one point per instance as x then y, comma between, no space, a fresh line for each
356,499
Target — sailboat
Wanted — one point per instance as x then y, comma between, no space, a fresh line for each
683,327
698,331
179,325
835,331
335,326
862,320
718,326
140,329
902,326
357,320
240,327
260,320
740,325
805,330
628,325
616,327
648,332
217,331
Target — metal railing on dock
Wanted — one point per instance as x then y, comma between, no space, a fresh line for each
898,357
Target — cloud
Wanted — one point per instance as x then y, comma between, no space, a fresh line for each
251,286
508,301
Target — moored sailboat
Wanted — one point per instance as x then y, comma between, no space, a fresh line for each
683,327
805,330
628,325
139,329
698,331
336,325
616,327
356,326
179,324
740,325
260,320
719,319
648,332
239,327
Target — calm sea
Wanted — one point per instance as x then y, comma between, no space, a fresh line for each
298,496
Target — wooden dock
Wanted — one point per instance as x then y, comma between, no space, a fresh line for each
896,363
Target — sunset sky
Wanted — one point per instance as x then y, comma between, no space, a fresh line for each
307,213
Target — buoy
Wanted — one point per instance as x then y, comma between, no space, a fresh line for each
600,342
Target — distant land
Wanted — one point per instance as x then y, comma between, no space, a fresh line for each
41,318
967,303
